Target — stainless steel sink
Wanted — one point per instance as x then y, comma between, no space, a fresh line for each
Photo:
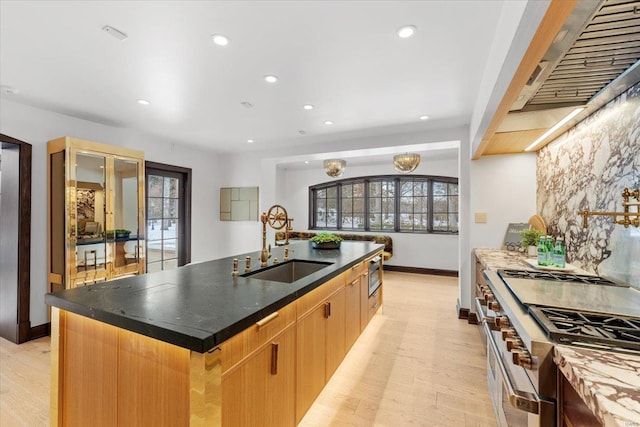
288,272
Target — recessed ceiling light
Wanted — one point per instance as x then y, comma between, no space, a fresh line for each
308,107
220,39
270,78
250,141
328,122
424,117
406,31
306,162
143,102
114,32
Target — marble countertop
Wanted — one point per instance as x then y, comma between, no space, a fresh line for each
200,305
609,383
494,259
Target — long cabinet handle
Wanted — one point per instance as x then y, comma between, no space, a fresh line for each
260,323
354,282
274,358
327,310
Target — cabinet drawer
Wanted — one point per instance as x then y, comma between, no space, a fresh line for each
354,272
309,301
375,301
243,344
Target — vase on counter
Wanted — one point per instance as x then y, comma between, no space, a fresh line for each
532,250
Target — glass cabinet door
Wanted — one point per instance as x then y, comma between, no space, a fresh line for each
87,226
129,247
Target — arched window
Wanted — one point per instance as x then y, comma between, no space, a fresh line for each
392,203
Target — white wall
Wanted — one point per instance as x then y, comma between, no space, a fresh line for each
37,126
503,187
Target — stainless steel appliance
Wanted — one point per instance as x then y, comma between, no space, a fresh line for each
523,313
375,266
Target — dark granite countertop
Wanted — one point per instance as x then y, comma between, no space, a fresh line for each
198,306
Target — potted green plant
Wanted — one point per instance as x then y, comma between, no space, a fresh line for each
325,240
530,238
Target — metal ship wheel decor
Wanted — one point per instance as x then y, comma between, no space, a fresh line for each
277,217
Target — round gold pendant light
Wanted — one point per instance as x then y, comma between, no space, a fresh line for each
406,162
334,167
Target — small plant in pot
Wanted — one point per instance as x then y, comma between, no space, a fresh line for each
325,240
530,239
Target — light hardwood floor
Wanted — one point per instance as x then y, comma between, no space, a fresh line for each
415,364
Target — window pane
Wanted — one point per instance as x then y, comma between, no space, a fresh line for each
155,186
154,252
406,204
332,192
388,223
321,194
440,203
170,187
358,190
169,229
169,249
154,231
439,188
440,222
453,189
406,188
358,205
406,221
155,208
170,208
453,203
453,222
347,206
347,190
375,189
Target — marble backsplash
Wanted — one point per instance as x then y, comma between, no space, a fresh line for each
587,168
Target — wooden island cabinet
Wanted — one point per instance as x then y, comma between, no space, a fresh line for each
268,374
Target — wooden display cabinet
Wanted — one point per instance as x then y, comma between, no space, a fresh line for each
95,212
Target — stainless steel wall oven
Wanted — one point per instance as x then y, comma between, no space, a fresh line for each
375,267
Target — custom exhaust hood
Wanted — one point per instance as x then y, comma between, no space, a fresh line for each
594,57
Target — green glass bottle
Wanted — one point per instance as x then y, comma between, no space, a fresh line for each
559,254
542,251
549,244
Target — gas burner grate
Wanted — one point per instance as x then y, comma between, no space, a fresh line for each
575,327
557,277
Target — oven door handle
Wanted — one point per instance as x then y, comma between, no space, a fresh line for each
521,400
482,318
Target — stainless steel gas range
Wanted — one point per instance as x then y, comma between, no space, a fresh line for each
523,313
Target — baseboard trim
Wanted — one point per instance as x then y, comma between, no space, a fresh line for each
473,319
463,313
40,331
420,270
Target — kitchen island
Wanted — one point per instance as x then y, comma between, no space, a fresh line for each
199,346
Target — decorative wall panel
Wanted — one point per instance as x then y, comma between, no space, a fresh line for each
587,168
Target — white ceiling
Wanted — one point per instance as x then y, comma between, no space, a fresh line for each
341,56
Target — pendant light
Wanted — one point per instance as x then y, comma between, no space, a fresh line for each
334,167
406,162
